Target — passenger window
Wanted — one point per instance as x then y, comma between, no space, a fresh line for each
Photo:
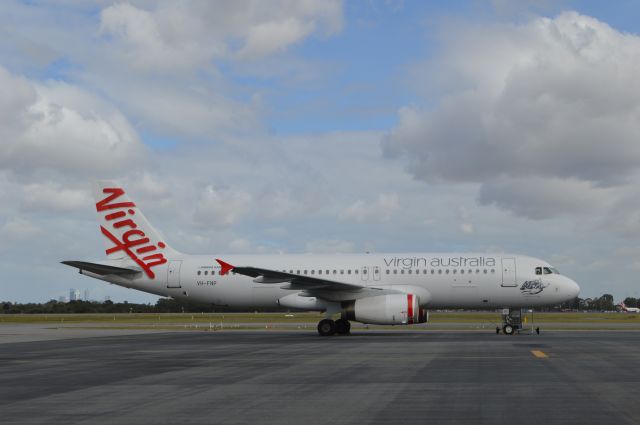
395,271
417,271
447,271
335,272
327,271
313,272
433,271
341,271
319,271
409,271
470,271
349,271
305,272
493,271
364,271
485,271
199,272
355,271
439,271
387,271
424,271
297,271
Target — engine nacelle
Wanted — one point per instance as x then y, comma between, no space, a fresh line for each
393,309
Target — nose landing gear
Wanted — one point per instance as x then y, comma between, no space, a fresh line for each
512,321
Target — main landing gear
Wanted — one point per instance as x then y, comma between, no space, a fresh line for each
327,327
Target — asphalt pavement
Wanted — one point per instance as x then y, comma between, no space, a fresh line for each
298,377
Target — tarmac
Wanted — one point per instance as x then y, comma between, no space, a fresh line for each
298,377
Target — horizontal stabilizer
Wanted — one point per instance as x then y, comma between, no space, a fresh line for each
102,269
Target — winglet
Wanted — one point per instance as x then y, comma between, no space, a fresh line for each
224,267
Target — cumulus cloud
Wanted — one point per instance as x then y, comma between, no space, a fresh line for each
221,207
543,115
56,127
52,197
381,209
166,64
178,35
541,198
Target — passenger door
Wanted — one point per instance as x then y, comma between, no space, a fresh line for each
509,272
173,274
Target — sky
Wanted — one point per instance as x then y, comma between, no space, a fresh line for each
322,127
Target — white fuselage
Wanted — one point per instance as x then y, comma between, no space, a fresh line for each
441,280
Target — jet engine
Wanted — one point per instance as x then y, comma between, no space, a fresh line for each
394,309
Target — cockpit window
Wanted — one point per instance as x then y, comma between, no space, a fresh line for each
546,270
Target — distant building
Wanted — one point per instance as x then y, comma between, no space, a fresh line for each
62,299
74,294
86,295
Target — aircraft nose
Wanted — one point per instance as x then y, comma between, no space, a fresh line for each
574,288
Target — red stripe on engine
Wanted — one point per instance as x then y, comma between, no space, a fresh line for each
410,308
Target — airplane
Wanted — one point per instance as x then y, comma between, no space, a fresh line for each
623,307
385,289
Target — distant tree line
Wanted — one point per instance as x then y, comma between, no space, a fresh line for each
603,303
169,305
163,305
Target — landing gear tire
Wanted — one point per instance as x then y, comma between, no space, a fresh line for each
326,327
508,329
343,327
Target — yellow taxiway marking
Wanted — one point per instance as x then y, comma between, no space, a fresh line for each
539,354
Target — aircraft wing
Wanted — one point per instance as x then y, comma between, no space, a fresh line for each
294,281
326,289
